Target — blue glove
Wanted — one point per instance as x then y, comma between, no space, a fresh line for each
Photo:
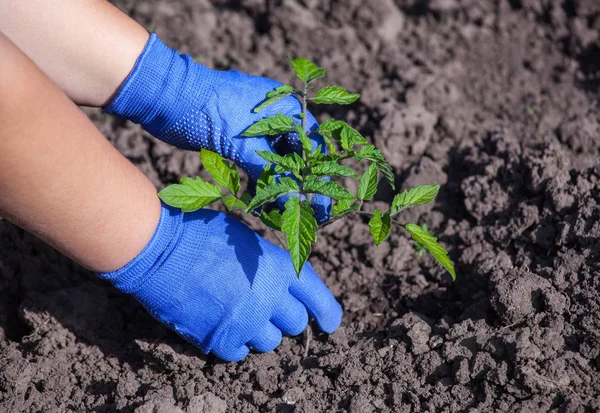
192,107
223,287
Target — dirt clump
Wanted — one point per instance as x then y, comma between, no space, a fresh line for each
497,101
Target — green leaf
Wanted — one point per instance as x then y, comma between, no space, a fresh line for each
419,195
374,155
306,70
273,96
246,198
429,242
332,168
368,183
342,207
232,203
266,177
272,219
331,128
306,143
418,247
330,189
335,94
300,228
191,194
350,137
380,226
271,192
274,125
221,170
291,162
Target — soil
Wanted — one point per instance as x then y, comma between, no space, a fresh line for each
496,100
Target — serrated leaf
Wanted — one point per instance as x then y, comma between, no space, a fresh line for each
300,228
335,94
271,192
418,247
331,128
380,225
290,162
272,219
368,183
332,168
266,177
221,170
342,207
274,125
232,203
306,70
330,189
273,96
191,195
374,155
318,158
350,137
306,143
419,195
429,242
330,146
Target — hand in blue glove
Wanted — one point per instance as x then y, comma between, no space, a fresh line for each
223,287
192,107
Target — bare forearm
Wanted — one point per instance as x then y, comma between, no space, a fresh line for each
87,47
59,177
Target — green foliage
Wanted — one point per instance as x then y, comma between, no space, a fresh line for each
272,219
429,242
419,249
232,203
303,175
368,183
274,96
274,125
300,228
333,169
306,70
221,170
380,225
330,189
271,192
419,195
291,162
191,195
343,206
335,94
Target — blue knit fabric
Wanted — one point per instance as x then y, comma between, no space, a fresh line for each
223,287
192,107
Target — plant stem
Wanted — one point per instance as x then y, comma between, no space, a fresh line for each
304,104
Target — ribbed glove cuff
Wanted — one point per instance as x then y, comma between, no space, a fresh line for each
168,231
162,87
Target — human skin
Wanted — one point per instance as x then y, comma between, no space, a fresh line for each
60,179
87,47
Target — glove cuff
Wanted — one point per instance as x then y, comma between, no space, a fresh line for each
133,274
162,85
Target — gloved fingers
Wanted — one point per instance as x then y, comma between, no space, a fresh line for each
319,302
321,204
246,156
231,354
267,339
291,316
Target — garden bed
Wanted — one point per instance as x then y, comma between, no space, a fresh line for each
497,101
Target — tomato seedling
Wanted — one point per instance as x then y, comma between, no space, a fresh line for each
302,174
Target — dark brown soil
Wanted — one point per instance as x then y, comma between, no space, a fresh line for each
497,100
